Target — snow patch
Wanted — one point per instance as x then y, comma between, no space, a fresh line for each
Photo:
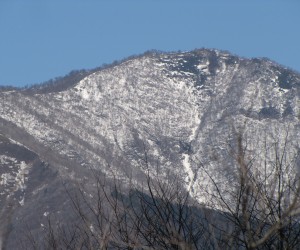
190,174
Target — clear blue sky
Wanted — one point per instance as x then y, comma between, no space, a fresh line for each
43,39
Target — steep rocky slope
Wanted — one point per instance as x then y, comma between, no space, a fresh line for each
169,113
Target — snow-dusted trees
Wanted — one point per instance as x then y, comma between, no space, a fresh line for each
264,206
261,211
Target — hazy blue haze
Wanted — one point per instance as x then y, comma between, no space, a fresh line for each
43,39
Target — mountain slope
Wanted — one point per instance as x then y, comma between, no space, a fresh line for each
170,114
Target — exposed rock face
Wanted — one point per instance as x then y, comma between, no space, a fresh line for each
181,111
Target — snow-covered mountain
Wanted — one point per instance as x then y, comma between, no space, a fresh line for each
166,113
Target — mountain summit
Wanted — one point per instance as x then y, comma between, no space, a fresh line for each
167,114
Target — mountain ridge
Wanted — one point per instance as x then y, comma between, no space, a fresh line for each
59,80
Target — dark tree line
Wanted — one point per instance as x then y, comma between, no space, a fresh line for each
62,83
